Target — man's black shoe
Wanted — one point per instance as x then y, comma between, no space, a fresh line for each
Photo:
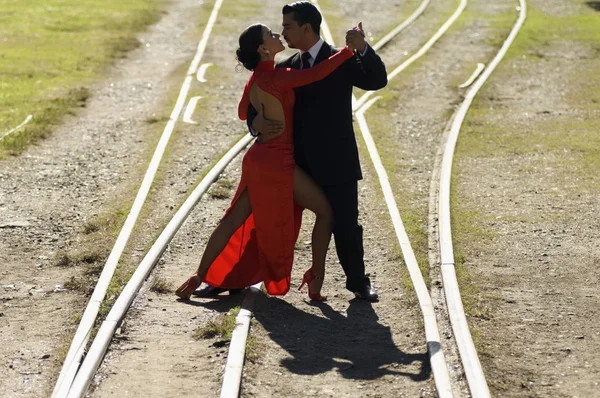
367,293
208,291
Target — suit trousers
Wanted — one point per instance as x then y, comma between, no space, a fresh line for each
347,233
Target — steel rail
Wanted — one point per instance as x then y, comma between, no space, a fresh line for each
109,326
422,50
82,335
102,340
232,377
432,335
235,358
478,69
475,377
9,132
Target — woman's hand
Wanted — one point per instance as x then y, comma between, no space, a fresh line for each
355,38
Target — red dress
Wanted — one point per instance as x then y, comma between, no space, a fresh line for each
262,249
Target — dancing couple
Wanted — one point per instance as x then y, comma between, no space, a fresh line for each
304,156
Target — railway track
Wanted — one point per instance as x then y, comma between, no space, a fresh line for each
75,377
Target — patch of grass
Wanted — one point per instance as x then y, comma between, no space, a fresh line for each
156,119
63,259
86,256
222,188
51,51
92,252
221,327
79,284
160,285
562,146
89,256
76,318
253,348
91,227
94,270
541,29
219,193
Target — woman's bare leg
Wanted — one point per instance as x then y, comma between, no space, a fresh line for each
216,243
218,239
310,196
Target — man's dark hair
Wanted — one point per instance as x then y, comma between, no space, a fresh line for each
304,12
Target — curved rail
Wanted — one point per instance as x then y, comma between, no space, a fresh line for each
468,353
235,359
101,342
432,334
422,50
473,76
23,123
119,309
84,330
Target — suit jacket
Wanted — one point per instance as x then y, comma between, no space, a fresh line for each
324,140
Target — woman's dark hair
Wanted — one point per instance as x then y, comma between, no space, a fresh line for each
304,12
250,39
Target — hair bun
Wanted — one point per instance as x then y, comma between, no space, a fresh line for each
250,40
248,59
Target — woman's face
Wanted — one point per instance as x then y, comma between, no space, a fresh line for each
271,41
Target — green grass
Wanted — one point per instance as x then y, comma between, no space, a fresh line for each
222,188
563,140
161,285
573,139
221,327
541,29
50,51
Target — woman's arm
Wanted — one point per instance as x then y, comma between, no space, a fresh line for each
290,78
245,101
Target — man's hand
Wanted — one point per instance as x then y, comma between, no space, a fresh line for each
355,38
267,128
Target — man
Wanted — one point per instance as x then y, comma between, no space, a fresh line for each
324,140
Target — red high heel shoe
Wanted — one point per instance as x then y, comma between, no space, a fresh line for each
308,277
185,291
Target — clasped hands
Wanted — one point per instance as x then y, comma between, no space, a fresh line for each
355,38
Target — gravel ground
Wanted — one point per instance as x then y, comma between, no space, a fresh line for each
53,189
47,194
538,275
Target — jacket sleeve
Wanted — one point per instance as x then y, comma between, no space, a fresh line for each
368,71
290,78
251,115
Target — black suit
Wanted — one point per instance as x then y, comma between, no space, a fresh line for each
325,146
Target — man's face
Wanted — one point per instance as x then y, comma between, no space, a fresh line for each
292,33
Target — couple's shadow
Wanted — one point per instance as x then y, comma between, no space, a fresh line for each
357,346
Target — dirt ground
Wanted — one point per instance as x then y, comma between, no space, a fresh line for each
538,205
535,276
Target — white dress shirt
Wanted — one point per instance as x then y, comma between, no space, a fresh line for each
314,51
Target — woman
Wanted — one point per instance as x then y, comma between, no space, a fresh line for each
255,240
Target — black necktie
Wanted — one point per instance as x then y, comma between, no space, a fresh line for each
306,60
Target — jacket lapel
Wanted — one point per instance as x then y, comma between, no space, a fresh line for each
296,62
325,52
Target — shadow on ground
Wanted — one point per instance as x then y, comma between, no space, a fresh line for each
357,345
222,303
594,4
